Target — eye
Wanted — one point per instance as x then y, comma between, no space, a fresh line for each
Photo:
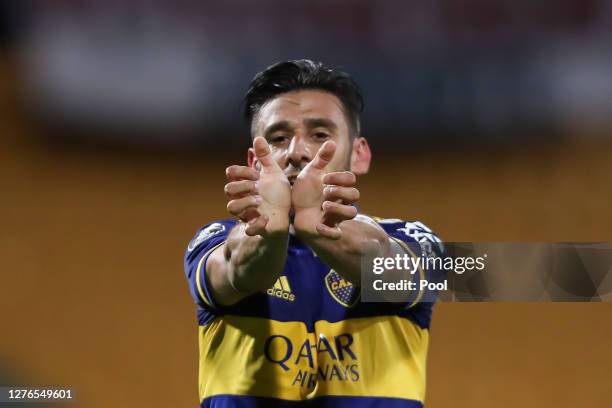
321,136
278,139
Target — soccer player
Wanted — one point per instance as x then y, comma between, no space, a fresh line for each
281,322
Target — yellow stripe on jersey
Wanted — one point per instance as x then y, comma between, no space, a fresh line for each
381,356
200,272
421,271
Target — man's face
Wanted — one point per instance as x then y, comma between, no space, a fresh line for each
296,124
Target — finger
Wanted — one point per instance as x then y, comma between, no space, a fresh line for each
241,187
340,178
263,153
235,173
329,232
236,207
249,214
257,226
324,155
334,213
346,195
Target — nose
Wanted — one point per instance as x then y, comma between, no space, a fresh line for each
299,152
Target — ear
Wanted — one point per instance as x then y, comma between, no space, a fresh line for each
361,155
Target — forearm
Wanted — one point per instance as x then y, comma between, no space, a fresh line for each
358,240
254,262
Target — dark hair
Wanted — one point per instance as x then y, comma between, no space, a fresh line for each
293,75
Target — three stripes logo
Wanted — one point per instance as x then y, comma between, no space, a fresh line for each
281,289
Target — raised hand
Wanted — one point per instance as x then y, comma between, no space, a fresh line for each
321,199
262,197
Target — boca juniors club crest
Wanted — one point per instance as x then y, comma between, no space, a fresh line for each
343,291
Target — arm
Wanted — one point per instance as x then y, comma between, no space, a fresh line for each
245,264
325,218
357,239
254,254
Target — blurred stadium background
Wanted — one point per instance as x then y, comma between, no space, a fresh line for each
489,121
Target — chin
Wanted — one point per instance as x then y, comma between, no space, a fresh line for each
291,215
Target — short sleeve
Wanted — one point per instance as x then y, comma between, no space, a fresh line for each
205,241
418,241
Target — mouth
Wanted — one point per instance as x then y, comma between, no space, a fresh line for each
291,179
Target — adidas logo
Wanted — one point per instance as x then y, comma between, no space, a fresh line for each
281,289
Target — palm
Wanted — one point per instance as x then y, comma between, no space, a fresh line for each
273,186
275,190
323,199
307,192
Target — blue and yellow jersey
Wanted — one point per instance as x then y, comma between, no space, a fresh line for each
308,340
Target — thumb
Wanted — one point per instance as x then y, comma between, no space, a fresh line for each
324,155
263,153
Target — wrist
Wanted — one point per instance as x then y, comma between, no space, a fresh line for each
277,226
305,223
